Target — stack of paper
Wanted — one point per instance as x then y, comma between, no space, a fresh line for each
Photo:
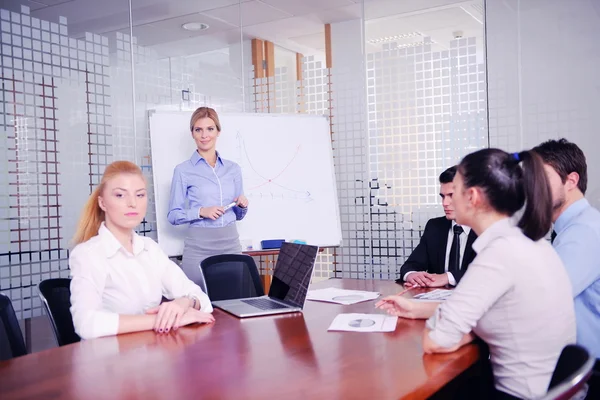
341,296
364,323
435,295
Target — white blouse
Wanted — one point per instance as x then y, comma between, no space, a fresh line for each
517,298
108,280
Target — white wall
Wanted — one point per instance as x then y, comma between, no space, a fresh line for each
543,63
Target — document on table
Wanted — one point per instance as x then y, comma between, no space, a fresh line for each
435,295
341,296
364,323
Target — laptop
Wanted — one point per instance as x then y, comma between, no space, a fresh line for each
289,286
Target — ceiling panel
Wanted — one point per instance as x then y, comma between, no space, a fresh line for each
16,5
170,30
301,7
175,23
446,19
386,8
176,8
332,16
439,19
52,2
254,12
286,28
80,10
196,45
105,15
293,24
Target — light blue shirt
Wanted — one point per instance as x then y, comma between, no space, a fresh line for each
196,184
578,244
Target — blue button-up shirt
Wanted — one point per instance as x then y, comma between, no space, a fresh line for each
196,184
578,244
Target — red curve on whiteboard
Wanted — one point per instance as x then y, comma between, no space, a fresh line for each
267,180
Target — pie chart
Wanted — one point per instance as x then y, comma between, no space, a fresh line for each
361,323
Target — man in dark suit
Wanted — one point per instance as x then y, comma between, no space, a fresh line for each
444,252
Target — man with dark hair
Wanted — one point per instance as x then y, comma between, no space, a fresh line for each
576,239
444,252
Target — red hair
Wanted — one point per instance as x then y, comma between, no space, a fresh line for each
92,215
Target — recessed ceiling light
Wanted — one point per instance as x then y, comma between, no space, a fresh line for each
195,26
387,39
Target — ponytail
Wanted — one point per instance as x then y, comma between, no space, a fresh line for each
510,181
92,215
537,217
91,218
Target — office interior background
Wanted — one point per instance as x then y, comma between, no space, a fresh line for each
410,87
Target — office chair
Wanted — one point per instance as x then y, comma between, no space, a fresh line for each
573,369
11,339
56,297
231,276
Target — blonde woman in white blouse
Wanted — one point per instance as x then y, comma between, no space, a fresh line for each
515,295
118,277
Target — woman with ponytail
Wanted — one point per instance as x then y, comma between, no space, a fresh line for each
118,277
513,295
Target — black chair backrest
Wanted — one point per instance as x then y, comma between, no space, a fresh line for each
11,339
231,276
56,297
573,369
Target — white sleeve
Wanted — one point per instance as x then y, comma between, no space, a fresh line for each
486,280
87,285
451,280
176,284
407,274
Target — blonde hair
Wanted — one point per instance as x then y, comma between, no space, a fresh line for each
92,215
205,112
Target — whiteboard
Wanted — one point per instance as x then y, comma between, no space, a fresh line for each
287,170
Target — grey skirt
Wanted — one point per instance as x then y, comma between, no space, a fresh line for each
201,243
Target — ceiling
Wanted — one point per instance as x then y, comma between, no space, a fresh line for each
297,25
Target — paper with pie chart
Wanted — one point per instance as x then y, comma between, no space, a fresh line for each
341,296
435,295
364,323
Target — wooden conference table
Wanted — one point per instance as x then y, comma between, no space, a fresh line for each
288,356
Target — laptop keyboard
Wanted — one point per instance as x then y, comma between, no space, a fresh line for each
264,304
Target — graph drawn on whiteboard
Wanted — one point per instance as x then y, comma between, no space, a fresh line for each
273,182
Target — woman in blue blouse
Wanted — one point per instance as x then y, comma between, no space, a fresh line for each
202,186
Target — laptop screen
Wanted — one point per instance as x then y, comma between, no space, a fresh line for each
292,273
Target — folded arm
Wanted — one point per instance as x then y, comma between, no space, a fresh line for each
177,285
89,318
429,346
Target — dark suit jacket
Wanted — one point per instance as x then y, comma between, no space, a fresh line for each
430,253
